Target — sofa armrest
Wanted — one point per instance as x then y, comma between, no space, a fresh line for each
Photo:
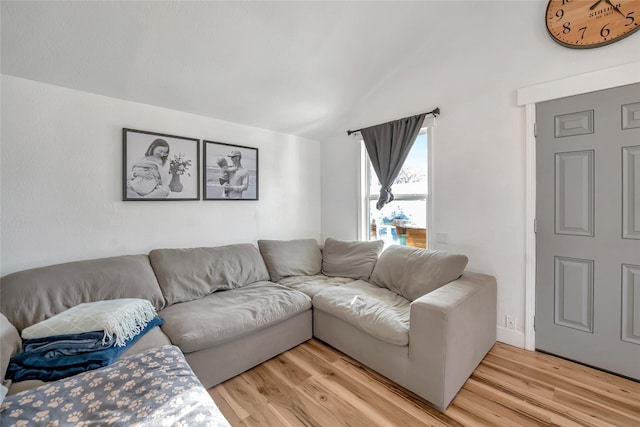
10,344
451,330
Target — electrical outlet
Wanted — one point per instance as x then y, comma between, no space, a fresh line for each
510,322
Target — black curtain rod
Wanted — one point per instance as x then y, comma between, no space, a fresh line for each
435,112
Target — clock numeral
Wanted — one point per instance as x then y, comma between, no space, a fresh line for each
584,30
566,28
604,32
630,18
560,14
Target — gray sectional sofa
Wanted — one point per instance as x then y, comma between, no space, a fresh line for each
410,314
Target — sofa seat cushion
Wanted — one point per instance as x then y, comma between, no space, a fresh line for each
311,285
377,311
228,315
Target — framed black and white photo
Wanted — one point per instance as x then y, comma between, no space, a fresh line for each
158,166
230,172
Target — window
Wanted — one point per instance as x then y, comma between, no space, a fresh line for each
405,220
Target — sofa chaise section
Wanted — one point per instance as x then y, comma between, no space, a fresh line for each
449,316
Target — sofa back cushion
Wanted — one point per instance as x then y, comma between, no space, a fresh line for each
352,259
30,296
188,274
413,272
286,258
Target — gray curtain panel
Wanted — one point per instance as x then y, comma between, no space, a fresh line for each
388,146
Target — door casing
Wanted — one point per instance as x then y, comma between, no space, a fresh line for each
528,97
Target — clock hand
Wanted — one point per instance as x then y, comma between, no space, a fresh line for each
593,6
615,7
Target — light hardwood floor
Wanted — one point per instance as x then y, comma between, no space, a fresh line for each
316,385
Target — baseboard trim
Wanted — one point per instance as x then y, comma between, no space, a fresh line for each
510,336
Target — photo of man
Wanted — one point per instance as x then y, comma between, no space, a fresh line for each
230,172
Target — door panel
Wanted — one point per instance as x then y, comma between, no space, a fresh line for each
631,303
574,293
574,124
574,193
631,192
588,229
631,116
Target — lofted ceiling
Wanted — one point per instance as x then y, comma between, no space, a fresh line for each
294,67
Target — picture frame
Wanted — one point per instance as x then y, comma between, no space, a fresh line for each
159,167
229,172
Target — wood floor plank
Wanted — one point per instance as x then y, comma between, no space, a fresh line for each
319,415
504,379
334,384
531,411
535,393
566,368
315,385
322,350
604,402
289,372
392,394
231,413
395,389
599,381
279,394
464,417
238,392
291,415
368,394
266,416
494,413
595,410
347,414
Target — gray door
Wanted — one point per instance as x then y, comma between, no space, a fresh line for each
588,229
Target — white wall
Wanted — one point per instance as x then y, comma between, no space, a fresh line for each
478,152
61,181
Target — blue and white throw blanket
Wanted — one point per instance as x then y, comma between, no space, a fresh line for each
151,389
122,318
68,345
60,356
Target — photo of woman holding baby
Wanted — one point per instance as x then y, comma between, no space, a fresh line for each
164,171
145,178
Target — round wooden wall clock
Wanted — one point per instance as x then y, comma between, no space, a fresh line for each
591,23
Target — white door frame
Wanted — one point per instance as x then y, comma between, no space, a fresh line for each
528,97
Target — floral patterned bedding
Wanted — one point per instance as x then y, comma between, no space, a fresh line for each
154,388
